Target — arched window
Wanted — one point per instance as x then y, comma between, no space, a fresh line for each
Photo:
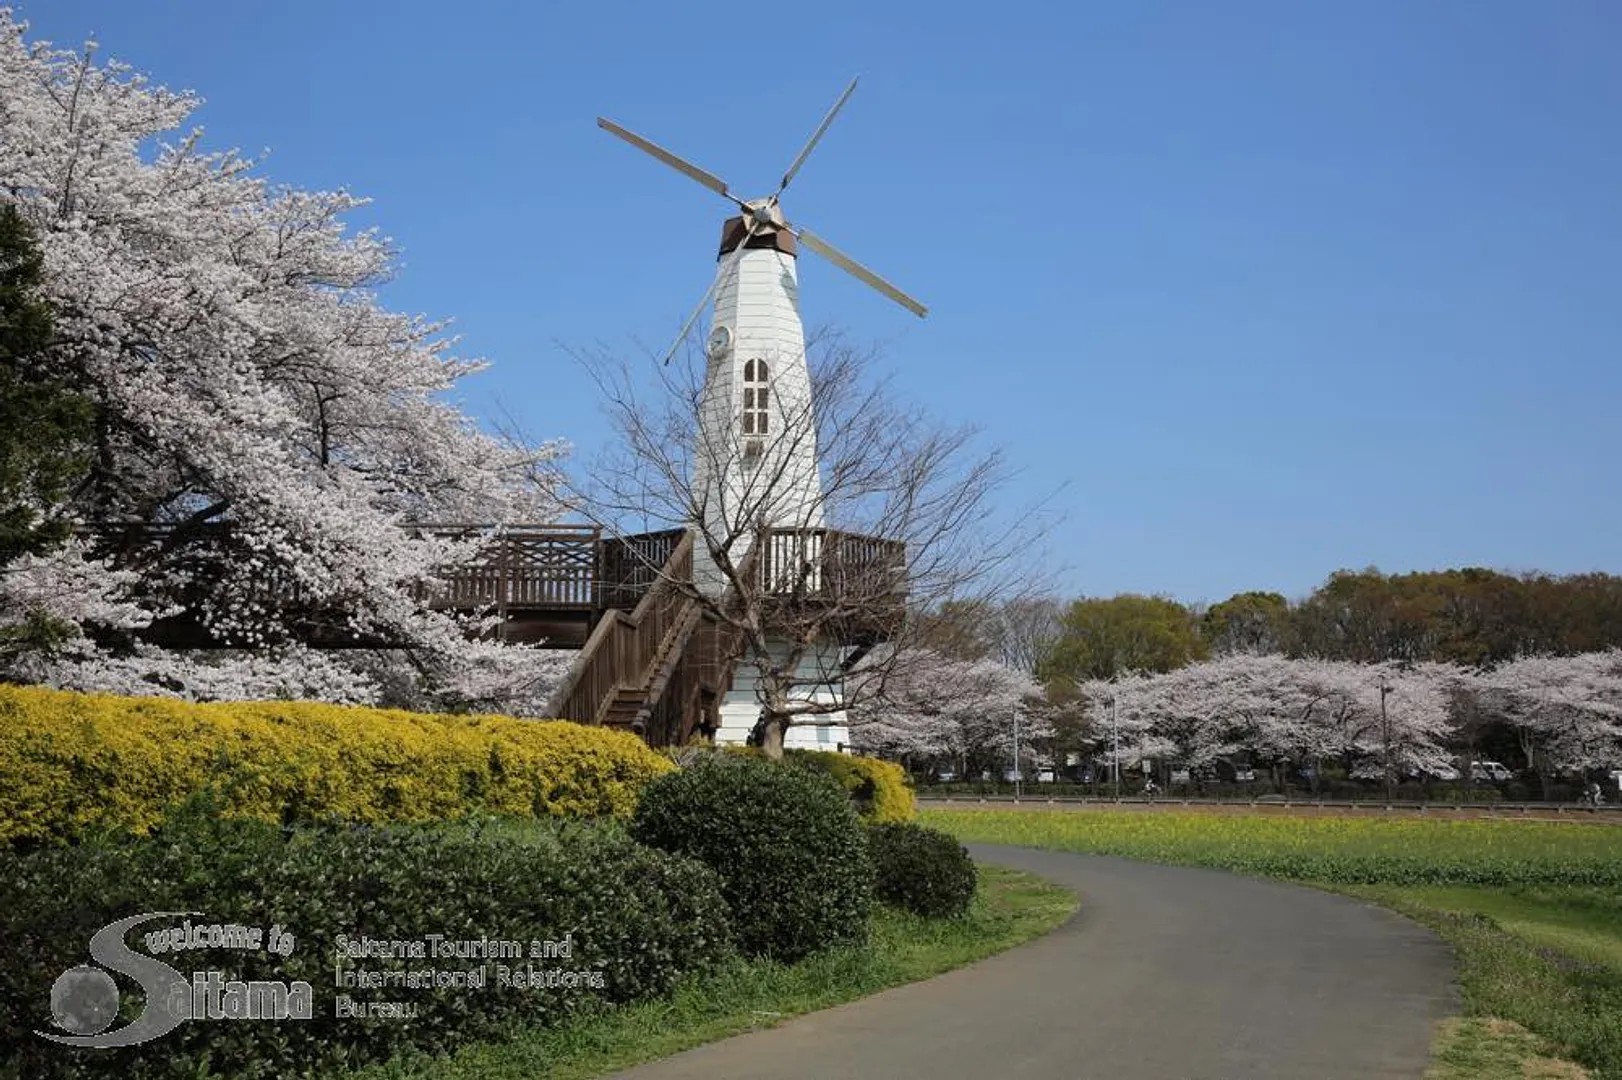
754,397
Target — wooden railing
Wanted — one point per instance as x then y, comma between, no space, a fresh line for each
565,566
829,564
693,681
518,566
620,653
673,702
629,565
545,566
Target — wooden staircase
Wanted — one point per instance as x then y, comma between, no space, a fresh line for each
660,669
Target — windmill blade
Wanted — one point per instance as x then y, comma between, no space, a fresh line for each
816,136
709,180
856,269
720,276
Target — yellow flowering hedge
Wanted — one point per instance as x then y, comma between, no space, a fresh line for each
72,762
879,787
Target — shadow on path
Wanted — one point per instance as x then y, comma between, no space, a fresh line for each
1166,973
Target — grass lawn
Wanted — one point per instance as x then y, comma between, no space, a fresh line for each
1480,1048
1534,911
1546,958
1011,907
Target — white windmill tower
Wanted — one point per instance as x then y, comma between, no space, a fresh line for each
756,450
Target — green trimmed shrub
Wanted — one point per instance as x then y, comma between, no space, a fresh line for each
787,843
642,918
879,789
923,870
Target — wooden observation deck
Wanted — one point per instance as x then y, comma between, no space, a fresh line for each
652,659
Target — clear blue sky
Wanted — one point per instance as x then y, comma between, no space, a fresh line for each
1276,287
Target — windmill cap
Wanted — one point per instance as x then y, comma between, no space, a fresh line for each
735,229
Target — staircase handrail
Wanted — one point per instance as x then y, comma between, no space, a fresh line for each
622,648
702,664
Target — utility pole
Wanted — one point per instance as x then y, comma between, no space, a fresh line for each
1115,743
1385,728
1016,755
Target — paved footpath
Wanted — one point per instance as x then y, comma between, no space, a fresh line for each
1166,973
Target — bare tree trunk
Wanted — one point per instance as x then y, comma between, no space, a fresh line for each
772,725
1528,741
768,735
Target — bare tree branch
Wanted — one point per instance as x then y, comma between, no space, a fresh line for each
897,520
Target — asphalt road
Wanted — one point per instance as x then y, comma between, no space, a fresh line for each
1166,973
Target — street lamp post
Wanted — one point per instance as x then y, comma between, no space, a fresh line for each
1016,755
1385,728
1115,744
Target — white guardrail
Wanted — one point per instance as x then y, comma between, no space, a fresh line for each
1276,800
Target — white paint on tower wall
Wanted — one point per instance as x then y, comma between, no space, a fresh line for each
745,474
820,679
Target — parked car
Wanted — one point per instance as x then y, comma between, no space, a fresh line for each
1490,771
1436,772
946,776
1044,776
1232,772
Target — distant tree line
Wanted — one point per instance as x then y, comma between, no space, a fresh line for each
1483,664
1471,617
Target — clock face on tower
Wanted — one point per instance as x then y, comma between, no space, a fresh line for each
720,342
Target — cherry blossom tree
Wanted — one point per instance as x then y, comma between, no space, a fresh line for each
1276,711
1378,721
1565,710
927,705
916,717
58,593
252,396
1409,732
1127,713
